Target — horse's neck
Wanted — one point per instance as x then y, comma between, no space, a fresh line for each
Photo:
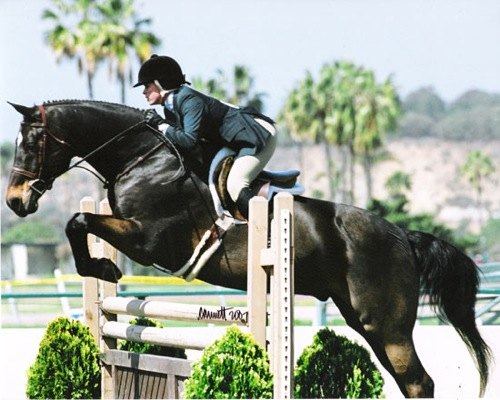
113,158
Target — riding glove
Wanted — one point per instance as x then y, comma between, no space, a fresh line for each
152,118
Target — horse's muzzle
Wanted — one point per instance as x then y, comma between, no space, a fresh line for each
22,199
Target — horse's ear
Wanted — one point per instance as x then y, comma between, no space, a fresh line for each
26,111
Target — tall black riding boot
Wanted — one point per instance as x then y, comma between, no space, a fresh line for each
242,203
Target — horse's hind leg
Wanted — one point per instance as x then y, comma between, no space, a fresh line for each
121,233
408,369
379,295
395,351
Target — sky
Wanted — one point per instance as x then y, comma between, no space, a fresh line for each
452,45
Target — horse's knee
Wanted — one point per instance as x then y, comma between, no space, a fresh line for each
77,223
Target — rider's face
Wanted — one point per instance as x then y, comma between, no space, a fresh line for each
152,94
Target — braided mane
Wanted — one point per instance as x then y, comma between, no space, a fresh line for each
76,101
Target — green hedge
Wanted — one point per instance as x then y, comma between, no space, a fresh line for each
31,232
148,348
334,367
234,367
67,364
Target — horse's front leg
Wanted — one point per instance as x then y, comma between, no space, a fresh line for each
125,235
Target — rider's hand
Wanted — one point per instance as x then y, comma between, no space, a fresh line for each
152,118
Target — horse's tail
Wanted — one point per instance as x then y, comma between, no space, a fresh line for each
451,280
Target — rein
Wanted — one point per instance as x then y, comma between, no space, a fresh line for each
40,185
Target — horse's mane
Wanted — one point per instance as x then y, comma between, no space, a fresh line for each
97,102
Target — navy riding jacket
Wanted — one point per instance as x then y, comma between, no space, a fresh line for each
197,117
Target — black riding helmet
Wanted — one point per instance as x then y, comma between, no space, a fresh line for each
163,69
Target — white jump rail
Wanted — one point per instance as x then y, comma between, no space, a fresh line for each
174,311
102,305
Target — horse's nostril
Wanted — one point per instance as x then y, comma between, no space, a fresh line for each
14,202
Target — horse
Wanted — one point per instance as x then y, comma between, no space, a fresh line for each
373,270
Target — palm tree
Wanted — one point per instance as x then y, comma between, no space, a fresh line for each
304,116
345,108
378,108
61,38
215,86
477,169
90,47
338,85
75,36
124,34
92,31
237,90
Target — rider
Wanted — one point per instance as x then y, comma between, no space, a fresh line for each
191,116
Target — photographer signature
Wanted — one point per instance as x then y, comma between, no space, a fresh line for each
223,314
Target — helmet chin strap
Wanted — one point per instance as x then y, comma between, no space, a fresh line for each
159,86
163,92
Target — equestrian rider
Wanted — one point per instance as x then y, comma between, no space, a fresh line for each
191,116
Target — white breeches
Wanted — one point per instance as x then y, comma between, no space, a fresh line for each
246,167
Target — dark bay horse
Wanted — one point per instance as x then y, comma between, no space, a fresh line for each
372,269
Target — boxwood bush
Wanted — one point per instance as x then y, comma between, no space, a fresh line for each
148,348
67,364
234,367
335,367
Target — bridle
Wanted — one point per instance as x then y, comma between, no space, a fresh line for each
36,183
40,185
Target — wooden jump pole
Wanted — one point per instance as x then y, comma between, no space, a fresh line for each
275,262
94,291
278,262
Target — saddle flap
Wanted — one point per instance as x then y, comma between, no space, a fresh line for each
280,178
280,175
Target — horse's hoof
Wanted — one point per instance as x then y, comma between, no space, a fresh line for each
105,269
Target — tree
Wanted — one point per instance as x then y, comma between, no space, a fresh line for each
395,210
398,183
377,112
491,232
214,86
6,157
425,101
477,168
480,122
75,36
32,231
238,89
335,97
416,125
124,34
93,31
304,116
475,98
347,108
